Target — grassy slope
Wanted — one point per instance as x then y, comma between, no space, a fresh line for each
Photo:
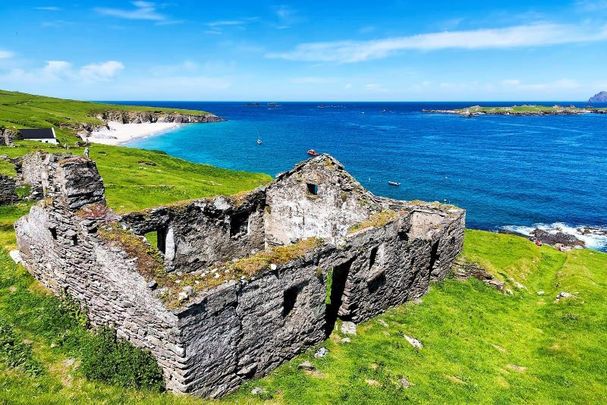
134,178
479,345
21,110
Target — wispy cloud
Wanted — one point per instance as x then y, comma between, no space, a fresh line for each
6,54
560,84
542,34
230,23
217,27
143,10
48,8
61,70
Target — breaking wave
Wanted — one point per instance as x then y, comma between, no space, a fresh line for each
594,237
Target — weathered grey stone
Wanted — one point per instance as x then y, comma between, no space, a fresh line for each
348,328
217,337
414,342
8,136
564,295
306,365
8,190
322,352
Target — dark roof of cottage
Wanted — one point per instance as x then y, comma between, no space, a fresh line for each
37,133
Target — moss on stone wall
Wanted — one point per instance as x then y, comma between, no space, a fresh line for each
149,262
376,220
178,288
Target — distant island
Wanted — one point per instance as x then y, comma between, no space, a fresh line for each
520,110
600,97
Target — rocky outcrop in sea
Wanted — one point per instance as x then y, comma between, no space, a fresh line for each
600,97
563,236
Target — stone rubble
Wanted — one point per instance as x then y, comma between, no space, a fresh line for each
348,328
320,353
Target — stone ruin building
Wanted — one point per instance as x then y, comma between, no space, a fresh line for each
234,286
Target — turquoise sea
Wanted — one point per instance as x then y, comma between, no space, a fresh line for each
513,172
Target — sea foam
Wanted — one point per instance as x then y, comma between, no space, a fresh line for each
594,237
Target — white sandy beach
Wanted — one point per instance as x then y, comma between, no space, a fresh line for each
119,133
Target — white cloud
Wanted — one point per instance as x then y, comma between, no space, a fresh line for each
144,10
543,34
55,69
101,71
6,54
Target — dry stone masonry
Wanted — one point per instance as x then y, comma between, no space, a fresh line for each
234,286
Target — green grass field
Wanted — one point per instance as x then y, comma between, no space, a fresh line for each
480,345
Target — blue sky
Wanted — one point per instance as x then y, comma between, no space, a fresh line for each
305,50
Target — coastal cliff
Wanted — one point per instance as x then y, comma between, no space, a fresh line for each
143,117
140,117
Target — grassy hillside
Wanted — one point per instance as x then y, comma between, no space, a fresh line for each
480,345
134,178
21,110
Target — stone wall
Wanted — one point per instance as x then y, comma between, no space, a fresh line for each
59,242
319,199
195,235
8,187
32,170
8,136
219,336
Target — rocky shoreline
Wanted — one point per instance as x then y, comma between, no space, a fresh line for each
519,111
562,237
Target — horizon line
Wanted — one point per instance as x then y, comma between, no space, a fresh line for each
336,101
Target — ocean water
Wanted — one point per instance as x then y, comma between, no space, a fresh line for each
512,172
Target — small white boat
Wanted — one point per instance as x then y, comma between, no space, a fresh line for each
259,141
394,183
